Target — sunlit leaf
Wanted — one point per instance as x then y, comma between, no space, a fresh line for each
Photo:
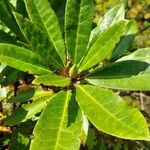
103,46
22,59
78,27
59,125
119,76
110,113
52,80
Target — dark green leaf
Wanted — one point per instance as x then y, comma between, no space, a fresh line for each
27,111
20,7
126,39
59,8
39,41
22,96
6,16
6,38
44,17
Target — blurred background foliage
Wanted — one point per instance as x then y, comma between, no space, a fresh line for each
135,9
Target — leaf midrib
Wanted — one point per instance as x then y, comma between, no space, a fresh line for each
62,120
47,30
93,56
31,42
77,31
12,59
129,127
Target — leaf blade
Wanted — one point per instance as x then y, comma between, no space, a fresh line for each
22,59
103,46
38,10
124,75
27,111
114,15
58,129
126,39
128,123
39,41
77,27
52,80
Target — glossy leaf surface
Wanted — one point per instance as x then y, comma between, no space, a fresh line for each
78,27
142,54
22,59
114,15
59,125
126,39
103,46
43,16
110,113
126,75
52,80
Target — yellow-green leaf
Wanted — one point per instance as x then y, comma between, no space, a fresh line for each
111,114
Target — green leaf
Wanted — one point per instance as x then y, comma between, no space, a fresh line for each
59,8
78,24
43,16
85,129
109,113
103,46
125,75
22,59
113,16
40,93
22,96
6,38
27,111
39,41
142,54
7,17
52,80
126,39
11,75
21,136
59,125
20,8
